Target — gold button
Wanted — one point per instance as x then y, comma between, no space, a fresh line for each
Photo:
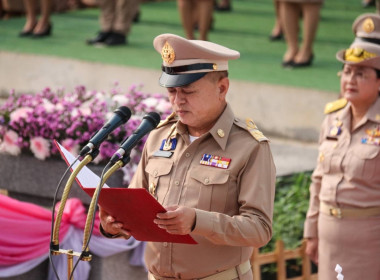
207,180
220,133
335,144
321,157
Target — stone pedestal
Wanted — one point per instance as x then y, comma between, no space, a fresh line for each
28,179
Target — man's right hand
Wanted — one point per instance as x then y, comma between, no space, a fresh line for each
312,249
111,226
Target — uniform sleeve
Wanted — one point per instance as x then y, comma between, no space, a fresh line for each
311,222
253,225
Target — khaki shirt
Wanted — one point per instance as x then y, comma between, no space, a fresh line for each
348,168
234,206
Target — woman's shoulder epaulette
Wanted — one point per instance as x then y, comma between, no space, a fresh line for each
251,127
335,105
169,119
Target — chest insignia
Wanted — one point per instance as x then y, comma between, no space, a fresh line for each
215,161
168,144
373,136
336,128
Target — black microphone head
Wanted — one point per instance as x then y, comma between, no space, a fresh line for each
153,117
124,112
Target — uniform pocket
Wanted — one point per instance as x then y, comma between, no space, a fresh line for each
159,176
365,161
213,187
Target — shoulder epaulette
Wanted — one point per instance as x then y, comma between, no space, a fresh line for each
251,127
170,118
335,105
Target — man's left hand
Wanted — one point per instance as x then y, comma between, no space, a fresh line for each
177,220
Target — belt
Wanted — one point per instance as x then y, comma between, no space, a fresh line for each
228,274
349,212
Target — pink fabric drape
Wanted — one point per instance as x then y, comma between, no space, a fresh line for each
25,228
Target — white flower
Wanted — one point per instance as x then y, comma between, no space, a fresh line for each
9,144
163,106
120,100
20,113
48,106
40,147
150,102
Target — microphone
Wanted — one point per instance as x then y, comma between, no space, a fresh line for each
149,122
121,116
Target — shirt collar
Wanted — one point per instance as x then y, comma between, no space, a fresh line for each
221,129
373,113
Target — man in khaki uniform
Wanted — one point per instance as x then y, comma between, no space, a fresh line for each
212,171
116,18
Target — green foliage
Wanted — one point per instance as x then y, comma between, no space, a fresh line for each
290,207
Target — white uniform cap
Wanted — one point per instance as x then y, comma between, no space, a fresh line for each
186,61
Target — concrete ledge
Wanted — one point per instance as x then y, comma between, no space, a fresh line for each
288,112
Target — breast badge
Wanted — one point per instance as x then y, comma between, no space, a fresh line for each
215,161
335,130
373,137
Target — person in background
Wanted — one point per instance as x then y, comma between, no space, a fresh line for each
290,14
196,13
277,33
116,17
37,28
343,221
213,172
223,6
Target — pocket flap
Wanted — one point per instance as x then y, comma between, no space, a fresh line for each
207,176
367,151
159,167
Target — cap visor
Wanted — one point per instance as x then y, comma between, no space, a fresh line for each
179,80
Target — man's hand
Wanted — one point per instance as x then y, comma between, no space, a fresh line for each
110,225
312,249
177,220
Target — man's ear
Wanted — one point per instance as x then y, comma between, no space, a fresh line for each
223,85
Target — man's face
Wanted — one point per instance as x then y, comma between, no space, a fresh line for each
199,104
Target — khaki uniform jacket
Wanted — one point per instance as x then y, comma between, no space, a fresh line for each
348,168
234,206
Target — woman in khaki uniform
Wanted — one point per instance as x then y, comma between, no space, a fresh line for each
212,171
343,221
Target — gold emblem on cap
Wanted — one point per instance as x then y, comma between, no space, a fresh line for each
220,133
357,55
368,25
167,53
214,66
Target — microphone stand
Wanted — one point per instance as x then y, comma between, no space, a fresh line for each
54,243
94,201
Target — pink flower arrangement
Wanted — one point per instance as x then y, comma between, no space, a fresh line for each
30,122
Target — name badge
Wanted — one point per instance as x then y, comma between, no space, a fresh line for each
165,154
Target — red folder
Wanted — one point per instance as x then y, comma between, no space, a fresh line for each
135,208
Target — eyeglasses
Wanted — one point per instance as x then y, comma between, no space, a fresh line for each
358,75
